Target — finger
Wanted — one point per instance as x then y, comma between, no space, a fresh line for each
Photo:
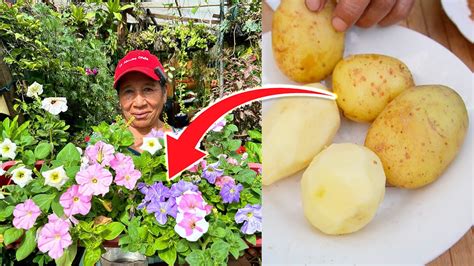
400,11
347,12
315,5
375,12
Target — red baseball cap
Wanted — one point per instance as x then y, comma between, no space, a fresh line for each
140,61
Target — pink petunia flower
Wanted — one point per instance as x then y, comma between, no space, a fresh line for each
222,180
101,153
121,162
54,237
198,165
75,202
25,214
232,161
94,180
190,226
193,202
127,177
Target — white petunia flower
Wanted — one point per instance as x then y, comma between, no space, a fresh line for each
79,150
151,145
2,172
8,149
22,176
54,105
34,90
55,177
1,195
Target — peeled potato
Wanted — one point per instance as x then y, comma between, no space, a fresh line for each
366,83
295,129
306,47
342,188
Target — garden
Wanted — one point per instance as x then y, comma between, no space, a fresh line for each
70,189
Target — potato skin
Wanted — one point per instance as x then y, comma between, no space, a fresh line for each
295,129
418,134
342,188
305,45
366,83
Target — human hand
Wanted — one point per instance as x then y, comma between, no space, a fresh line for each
365,13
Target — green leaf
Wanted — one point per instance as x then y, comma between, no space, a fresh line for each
113,230
219,251
215,151
252,239
69,154
168,256
246,176
44,201
71,171
6,212
233,144
11,235
182,246
68,256
255,134
194,10
160,244
56,206
197,257
218,232
92,256
28,245
29,157
42,150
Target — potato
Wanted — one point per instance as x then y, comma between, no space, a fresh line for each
419,134
295,129
305,45
342,188
366,83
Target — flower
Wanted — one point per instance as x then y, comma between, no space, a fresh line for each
177,189
94,180
8,149
156,133
151,145
1,195
230,192
251,216
161,209
91,72
56,177
22,176
75,202
195,167
127,177
25,214
219,125
193,202
101,153
54,237
211,172
155,192
222,180
34,90
232,161
241,150
121,162
190,226
54,105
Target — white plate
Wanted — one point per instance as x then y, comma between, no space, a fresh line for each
458,11
411,226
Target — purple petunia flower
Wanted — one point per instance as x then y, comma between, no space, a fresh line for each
161,209
211,172
231,192
251,216
177,189
156,133
157,192
91,72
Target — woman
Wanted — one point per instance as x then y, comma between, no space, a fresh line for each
141,85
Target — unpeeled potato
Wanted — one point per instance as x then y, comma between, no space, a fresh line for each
342,188
418,134
305,45
295,129
366,83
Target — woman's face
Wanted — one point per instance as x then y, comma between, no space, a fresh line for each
142,97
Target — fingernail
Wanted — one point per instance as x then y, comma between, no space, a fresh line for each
313,5
339,24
